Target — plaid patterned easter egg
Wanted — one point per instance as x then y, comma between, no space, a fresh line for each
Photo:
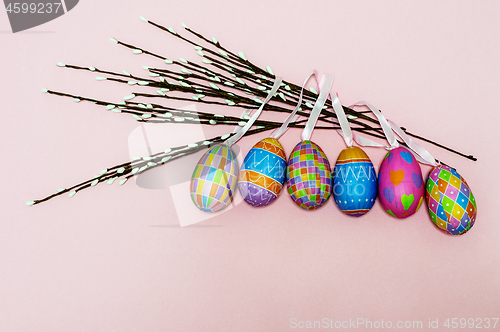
309,178
214,179
451,204
263,172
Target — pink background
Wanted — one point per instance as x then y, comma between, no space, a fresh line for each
114,258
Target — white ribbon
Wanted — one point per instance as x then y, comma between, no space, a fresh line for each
243,115
421,154
233,139
363,141
389,128
292,117
325,85
391,138
349,136
346,132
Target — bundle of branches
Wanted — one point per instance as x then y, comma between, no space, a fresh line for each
224,78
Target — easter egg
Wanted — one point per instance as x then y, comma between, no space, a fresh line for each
354,182
400,183
451,204
214,179
309,179
263,172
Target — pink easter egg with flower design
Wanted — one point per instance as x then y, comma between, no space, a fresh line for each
400,185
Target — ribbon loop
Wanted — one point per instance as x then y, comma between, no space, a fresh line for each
233,139
245,113
363,141
325,85
389,128
386,127
292,117
344,124
421,154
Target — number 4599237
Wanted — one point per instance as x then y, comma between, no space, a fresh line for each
478,323
32,7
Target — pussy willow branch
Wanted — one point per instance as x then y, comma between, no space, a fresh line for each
243,62
208,91
232,71
137,112
158,114
140,165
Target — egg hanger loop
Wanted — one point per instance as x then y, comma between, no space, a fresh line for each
325,85
422,155
386,127
230,141
389,128
350,136
325,93
246,113
292,117
346,132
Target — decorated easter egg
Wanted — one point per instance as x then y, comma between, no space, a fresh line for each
214,179
263,172
451,204
354,182
400,183
309,179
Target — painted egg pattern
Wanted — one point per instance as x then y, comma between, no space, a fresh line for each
354,182
309,178
452,206
214,179
263,172
400,186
